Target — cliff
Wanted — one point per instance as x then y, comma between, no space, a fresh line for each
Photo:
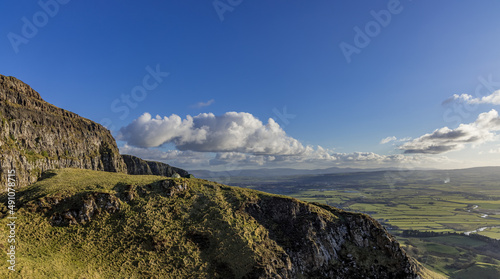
125,226
36,136
136,165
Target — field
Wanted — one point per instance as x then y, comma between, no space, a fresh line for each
460,207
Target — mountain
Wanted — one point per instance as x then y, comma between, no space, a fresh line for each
92,224
36,136
79,213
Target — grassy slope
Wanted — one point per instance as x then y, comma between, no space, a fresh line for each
145,238
155,236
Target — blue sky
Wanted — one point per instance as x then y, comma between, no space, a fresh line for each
262,59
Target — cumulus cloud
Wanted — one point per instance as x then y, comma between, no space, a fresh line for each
231,132
240,140
493,99
446,139
314,158
204,104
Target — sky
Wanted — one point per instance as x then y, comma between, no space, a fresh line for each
234,84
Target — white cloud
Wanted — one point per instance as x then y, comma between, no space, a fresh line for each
388,139
206,132
394,139
204,104
313,158
240,140
446,139
493,98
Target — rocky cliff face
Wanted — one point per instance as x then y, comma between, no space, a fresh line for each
316,246
36,136
136,165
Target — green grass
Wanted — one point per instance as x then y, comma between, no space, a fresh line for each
202,232
146,238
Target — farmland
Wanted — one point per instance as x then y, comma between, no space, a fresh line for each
460,207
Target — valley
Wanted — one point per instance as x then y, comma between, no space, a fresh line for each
447,219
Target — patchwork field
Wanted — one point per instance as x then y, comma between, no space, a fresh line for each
460,207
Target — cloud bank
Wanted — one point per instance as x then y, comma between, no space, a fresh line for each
317,158
445,139
231,132
240,140
233,137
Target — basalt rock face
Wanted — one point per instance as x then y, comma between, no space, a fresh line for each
352,246
137,165
36,136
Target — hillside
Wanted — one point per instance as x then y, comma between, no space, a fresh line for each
80,214
86,224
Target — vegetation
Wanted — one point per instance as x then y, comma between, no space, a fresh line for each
426,214
162,228
146,238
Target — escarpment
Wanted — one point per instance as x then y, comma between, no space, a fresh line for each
136,165
36,136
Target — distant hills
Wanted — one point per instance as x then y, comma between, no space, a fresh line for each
266,172
283,173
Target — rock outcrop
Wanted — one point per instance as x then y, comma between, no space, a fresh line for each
36,136
136,165
78,209
317,246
